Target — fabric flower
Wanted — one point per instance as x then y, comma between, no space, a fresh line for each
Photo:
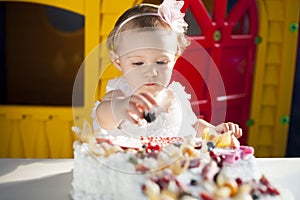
170,12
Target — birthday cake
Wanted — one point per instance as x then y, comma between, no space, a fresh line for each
158,168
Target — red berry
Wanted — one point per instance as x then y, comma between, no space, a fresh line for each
239,181
272,191
264,180
156,147
141,168
100,140
179,185
143,187
206,196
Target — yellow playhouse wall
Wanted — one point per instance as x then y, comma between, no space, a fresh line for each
45,131
36,132
274,76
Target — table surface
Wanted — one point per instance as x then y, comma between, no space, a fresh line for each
36,179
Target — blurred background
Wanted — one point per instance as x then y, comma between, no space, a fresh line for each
44,42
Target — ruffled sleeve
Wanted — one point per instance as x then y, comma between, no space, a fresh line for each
112,84
119,84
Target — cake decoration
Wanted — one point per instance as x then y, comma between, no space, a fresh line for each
159,168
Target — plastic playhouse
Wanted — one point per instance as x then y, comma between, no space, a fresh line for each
253,44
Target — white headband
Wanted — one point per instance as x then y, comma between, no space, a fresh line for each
146,38
169,11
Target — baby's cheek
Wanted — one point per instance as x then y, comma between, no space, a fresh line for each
134,79
135,83
166,77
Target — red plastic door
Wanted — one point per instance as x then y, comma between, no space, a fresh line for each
227,32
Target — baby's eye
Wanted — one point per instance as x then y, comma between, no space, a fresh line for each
162,62
138,63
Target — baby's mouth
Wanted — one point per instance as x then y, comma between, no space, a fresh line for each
150,84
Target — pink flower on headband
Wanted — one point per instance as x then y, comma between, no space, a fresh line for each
170,12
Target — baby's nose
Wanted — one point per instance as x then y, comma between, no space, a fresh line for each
151,71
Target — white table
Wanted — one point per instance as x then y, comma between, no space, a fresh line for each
36,179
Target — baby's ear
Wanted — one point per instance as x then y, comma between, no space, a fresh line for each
115,59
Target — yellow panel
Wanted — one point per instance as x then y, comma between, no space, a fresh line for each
109,6
107,23
275,33
274,53
274,76
275,9
92,40
29,132
267,116
287,74
255,113
271,75
6,129
41,146
60,145
263,151
31,135
16,145
266,136
270,97
111,72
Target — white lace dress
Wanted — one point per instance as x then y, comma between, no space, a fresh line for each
177,121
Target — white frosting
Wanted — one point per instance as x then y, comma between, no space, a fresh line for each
93,180
114,177
246,169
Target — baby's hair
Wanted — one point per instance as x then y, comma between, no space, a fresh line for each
143,16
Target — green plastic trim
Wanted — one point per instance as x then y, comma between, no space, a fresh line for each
294,27
217,35
285,119
257,40
249,122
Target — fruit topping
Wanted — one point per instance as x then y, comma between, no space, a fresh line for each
149,116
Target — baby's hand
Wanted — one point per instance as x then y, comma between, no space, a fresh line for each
139,106
229,126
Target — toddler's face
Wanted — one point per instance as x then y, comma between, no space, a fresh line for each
148,69
147,58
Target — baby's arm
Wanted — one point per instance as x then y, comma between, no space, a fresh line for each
116,108
104,112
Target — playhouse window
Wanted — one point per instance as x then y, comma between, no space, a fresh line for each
42,52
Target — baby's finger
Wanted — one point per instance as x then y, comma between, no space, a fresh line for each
140,102
239,133
135,113
223,128
233,127
135,108
134,118
149,98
